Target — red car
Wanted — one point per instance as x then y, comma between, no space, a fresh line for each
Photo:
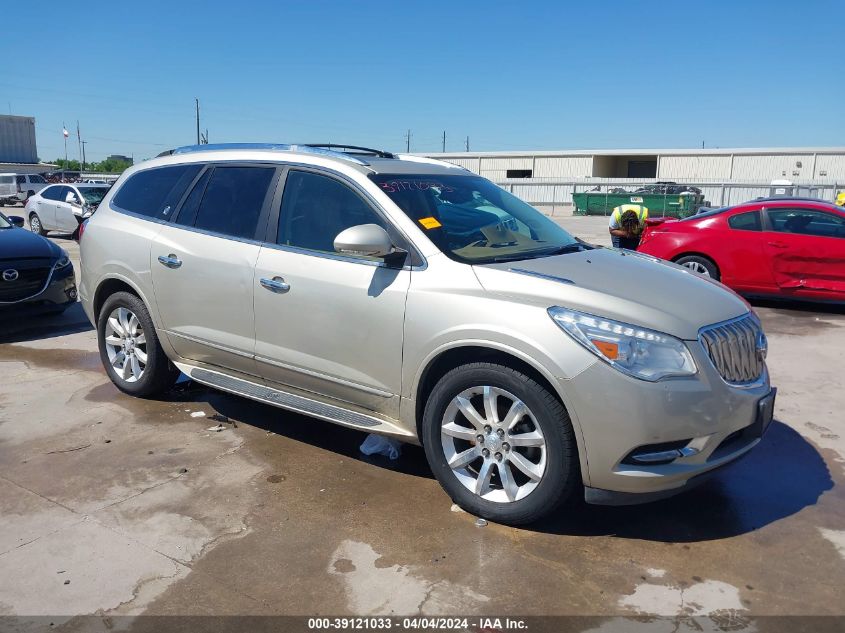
788,247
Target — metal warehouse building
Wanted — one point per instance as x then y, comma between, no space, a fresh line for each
17,139
726,176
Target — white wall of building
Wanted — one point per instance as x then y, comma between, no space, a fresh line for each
706,167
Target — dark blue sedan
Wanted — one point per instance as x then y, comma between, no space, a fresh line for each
36,275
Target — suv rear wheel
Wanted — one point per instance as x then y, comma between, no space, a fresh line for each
500,444
130,349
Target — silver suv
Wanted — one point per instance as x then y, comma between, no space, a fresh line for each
409,297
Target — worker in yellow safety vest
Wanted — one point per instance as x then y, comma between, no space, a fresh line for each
626,225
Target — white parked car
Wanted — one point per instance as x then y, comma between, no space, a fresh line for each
16,188
63,207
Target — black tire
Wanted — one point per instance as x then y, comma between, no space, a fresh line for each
562,476
698,261
40,229
159,374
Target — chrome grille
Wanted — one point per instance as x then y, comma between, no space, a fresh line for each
734,347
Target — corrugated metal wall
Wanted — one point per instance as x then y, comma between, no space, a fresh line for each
833,165
563,167
774,166
466,163
693,167
17,139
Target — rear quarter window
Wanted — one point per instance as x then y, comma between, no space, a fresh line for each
153,193
749,221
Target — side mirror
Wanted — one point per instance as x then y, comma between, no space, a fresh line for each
71,198
16,220
365,239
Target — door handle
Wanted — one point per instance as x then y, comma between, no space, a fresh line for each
171,261
276,284
778,245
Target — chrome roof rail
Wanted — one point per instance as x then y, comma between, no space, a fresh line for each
278,147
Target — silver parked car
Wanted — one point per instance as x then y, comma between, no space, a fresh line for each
409,297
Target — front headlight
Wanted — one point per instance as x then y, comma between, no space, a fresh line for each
63,261
631,349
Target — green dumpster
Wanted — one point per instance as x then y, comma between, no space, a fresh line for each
670,205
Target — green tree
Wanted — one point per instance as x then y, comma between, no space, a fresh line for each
69,165
110,166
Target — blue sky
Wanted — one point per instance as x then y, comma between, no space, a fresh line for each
510,75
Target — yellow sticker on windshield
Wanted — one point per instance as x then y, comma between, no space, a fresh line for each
430,223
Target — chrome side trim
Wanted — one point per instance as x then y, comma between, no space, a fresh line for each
531,273
201,341
340,381
662,456
287,400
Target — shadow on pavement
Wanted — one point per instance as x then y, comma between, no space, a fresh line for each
796,307
326,435
19,329
778,478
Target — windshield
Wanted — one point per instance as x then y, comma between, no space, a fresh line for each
473,221
4,222
93,195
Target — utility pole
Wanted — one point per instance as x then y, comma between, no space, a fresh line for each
198,120
408,141
79,139
444,141
83,154
467,144
65,166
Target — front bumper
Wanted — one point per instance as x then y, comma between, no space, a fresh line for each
620,415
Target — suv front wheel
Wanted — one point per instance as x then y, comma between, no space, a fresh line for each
130,349
500,444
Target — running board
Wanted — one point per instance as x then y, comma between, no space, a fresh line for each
292,402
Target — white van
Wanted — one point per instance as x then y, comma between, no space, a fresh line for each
16,188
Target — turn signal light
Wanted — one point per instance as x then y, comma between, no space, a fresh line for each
610,350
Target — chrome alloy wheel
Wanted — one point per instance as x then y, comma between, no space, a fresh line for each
126,344
697,267
493,444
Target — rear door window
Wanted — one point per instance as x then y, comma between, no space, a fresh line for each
21,180
155,192
188,213
749,221
233,201
51,193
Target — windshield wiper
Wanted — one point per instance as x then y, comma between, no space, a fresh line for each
575,247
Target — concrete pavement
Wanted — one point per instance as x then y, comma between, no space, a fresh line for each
146,510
